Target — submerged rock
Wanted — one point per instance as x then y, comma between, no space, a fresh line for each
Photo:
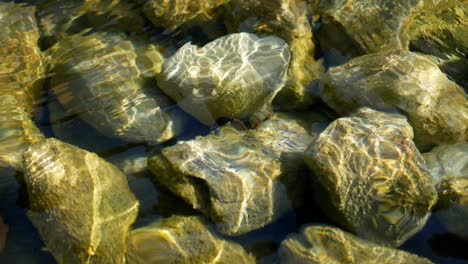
58,19
172,14
80,204
436,107
179,239
21,74
448,165
324,244
233,76
287,19
107,79
242,180
371,177
357,27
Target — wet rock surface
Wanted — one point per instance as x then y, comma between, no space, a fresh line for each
172,14
289,20
233,76
80,204
448,164
242,179
21,73
371,178
436,107
182,239
106,80
325,244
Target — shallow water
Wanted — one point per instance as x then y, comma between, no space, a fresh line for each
24,244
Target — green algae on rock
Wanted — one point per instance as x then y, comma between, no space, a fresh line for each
242,180
436,107
324,244
233,76
171,14
182,239
21,74
80,204
371,177
287,19
108,80
448,164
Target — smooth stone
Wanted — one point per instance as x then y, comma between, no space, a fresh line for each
371,178
234,76
436,107
182,239
325,244
21,74
80,204
107,79
241,179
448,165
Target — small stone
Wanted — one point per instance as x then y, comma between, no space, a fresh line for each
182,239
80,204
108,80
371,178
233,76
324,244
448,165
241,179
436,107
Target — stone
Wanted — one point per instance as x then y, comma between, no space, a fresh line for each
108,80
21,74
371,178
182,239
448,165
289,20
173,14
436,107
241,179
80,204
325,244
234,76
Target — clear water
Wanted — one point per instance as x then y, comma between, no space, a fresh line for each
25,246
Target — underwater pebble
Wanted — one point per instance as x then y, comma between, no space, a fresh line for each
233,76
448,165
325,244
80,204
371,178
182,239
436,107
241,179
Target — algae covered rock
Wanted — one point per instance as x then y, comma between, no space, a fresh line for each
436,107
21,74
371,176
107,79
448,165
233,76
182,239
80,204
324,244
172,14
241,179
